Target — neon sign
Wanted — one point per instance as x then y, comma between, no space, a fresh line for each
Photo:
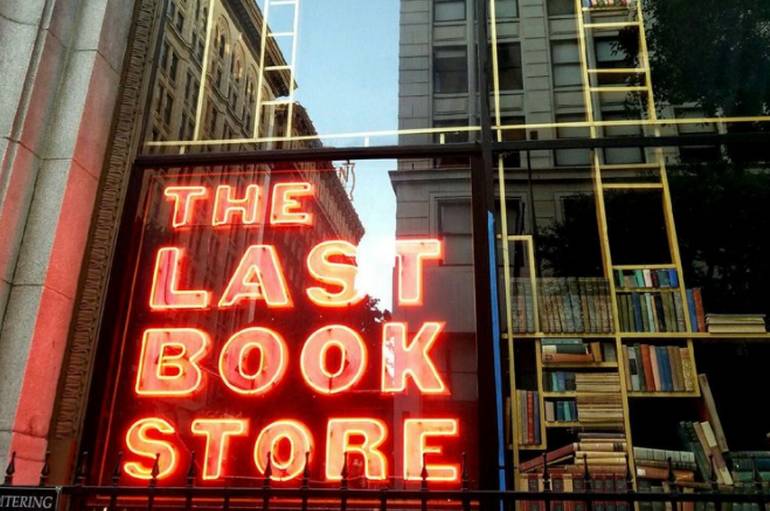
244,341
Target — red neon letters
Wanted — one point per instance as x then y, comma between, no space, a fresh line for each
273,359
400,359
370,434
285,205
416,447
314,362
332,273
164,294
217,433
258,277
410,255
143,446
181,364
168,363
288,445
184,198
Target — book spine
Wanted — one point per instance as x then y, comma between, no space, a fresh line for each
681,325
654,363
692,310
676,368
638,324
701,316
688,374
530,418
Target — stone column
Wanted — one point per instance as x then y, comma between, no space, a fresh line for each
61,64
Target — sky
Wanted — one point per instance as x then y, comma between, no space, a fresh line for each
347,77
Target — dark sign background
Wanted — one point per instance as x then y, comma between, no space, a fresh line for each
211,257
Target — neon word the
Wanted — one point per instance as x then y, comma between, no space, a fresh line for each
239,205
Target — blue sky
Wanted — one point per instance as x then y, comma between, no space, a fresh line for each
347,76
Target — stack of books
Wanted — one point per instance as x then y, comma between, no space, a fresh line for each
736,323
700,439
528,403
574,305
559,381
652,279
577,351
655,368
599,400
654,464
604,454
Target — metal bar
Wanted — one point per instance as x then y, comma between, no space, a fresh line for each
432,150
482,199
204,72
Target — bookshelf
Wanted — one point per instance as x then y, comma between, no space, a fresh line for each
630,307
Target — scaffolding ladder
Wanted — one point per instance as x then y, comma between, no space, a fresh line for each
594,17
269,38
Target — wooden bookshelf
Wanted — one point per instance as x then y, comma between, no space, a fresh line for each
537,319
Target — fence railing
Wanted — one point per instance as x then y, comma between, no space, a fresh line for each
264,496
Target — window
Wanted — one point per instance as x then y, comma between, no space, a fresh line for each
168,108
513,160
449,10
451,138
456,229
164,50
179,22
561,7
608,54
572,157
173,67
622,154
506,8
565,58
509,64
450,70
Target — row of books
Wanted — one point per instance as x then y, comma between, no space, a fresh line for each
577,351
651,312
561,410
654,368
746,466
558,381
574,305
522,308
657,463
597,453
599,399
654,279
528,403
607,3
736,323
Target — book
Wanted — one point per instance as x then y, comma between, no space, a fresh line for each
711,412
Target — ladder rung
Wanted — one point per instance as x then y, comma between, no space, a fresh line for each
611,25
630,166
274,3
274,102
618,70
281,34
278,68
639,88
607,8
644,267
632,186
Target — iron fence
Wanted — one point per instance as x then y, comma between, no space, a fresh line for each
266,496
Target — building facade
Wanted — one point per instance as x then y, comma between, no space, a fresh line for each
182,250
